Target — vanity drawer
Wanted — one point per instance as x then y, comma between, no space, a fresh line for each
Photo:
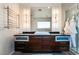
64,48
60,48
62,43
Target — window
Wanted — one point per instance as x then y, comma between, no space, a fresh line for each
43,24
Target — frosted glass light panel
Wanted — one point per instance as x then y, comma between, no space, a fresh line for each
43,24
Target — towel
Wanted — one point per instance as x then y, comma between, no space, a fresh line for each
73,32
67,28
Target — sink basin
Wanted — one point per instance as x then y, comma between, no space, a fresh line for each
42,33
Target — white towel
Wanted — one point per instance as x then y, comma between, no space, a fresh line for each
67,28
73,41
73,32
72,27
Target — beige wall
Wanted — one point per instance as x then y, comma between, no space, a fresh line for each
25,18
6,35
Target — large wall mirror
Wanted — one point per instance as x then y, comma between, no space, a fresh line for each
41,19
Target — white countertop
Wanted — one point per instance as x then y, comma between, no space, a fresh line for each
37,34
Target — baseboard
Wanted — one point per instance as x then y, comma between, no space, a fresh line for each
11,52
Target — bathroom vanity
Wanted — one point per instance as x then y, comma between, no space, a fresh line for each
41,42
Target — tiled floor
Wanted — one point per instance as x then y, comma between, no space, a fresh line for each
53,53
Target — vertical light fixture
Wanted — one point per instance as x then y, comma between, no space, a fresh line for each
24,17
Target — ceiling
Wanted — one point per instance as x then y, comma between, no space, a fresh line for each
39,4
32,5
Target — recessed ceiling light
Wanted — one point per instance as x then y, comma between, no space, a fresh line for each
48,7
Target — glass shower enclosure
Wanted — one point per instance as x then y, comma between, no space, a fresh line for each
74,11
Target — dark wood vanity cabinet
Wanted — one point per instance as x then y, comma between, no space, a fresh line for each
41,43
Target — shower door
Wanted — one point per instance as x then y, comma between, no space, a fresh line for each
77,36
73,11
